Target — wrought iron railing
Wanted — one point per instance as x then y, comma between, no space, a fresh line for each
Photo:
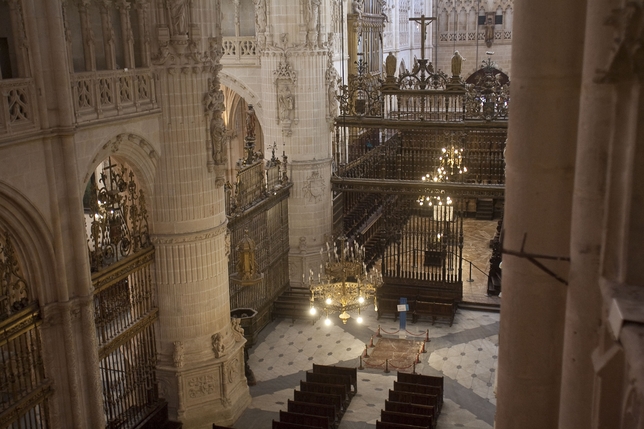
18,108
125,313
113,93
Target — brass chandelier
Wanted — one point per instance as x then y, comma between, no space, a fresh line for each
343,283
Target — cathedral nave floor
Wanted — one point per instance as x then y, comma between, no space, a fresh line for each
466,354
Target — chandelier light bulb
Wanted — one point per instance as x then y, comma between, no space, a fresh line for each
328,301
327,321
361,299
359,319
313,311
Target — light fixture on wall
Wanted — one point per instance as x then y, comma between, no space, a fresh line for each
343,283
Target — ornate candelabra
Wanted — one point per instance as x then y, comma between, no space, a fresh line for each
343,283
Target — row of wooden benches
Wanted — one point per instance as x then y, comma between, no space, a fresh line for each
415,403
322,399
434,308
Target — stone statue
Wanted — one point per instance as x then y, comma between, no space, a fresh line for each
260,15
457,64
238,331
357,6
179,16
312,13
250,121
390,65
286,103
218,345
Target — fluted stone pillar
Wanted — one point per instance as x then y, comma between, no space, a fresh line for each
546,70
296,63
201,353
584,304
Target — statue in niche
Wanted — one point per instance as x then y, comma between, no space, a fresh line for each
246,265
178,16
331,78
457,64
489,28
260,15
286,104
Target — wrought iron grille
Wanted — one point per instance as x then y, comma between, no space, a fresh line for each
116,216
423,242
125,310
24,389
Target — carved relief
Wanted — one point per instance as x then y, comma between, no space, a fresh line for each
202,385
314,187
331,78
312,19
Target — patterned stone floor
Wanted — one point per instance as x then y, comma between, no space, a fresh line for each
464,353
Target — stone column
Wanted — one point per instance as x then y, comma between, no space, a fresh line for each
295,117
546,71
201,354
583,304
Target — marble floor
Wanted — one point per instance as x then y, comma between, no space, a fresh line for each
465,354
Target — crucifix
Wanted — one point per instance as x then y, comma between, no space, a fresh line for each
424,22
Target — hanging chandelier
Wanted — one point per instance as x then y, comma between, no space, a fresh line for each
343,283
450,163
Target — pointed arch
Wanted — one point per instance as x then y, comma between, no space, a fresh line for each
32,241
139,154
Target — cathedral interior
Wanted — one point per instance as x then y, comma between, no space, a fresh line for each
335,214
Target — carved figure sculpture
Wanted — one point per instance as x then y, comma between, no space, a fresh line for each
260,15
390,65
357,6
250,121
218,345
286,103
178,16
457,64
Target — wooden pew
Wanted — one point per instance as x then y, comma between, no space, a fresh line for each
312,409
407,408
329,369
285,425
435,310
319,422
426,422
320,398
414,398
332,389
427,380
345,380
422,389
387,305
387,425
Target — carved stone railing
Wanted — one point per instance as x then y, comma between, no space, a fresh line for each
113,93
18,110
239,50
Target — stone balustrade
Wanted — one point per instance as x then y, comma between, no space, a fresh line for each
18,112
113,93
